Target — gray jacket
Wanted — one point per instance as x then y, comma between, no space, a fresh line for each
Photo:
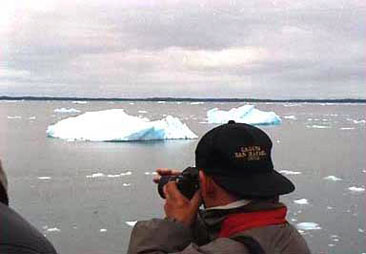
168,236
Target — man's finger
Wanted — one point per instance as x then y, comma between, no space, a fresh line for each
173,192
196,200
167,171
156,178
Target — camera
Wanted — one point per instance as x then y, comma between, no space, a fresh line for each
187,182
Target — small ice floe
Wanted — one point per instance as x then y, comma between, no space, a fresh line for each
334,238
331,244
289,172
102,230
356,189
330,207
44,177
53,229
14,117
131,223
346,128
359,121
290,117
150,173
79,102
302,201
197,103
95,175
364,171
360,230
332,178
126,184
142,111
308,226
127,173
131,103
291,105
31,118
318,126
66,110
161,102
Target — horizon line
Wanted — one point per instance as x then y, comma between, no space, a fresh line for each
189,99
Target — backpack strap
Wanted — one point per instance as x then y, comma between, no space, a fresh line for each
252,245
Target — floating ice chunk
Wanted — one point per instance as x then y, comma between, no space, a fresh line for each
197,103
14,117
150,173
128,173
80,102
95,175
116,125
102,230
330,207
66,110
302,201
360,230
161,102
308,226
288,172
44,178
290,117
356,189
126,184
332,178
31,117
292,105
359,121
53,229
131,223
347,128
244,114
318,126
142,111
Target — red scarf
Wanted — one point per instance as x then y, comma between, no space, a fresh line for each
238,222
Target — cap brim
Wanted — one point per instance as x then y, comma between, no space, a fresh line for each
257,185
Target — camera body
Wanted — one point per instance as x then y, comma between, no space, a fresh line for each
187,182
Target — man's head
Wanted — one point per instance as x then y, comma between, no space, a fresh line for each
237,157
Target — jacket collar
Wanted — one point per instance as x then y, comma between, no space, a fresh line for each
213,218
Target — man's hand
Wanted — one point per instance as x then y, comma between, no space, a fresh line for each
165,172
178,206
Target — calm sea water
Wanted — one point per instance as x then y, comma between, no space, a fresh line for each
81,194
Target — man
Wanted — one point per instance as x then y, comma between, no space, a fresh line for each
17,236
240,192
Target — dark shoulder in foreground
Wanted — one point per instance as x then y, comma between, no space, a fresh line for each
19,236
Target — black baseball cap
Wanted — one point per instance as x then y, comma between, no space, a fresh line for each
238,155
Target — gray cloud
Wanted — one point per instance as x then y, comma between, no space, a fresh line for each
253,49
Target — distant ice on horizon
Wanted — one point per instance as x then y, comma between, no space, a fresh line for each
66,110
244,114
116,125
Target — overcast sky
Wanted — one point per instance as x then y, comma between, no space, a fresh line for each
253,49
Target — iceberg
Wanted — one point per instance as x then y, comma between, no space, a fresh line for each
116,125
244,114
